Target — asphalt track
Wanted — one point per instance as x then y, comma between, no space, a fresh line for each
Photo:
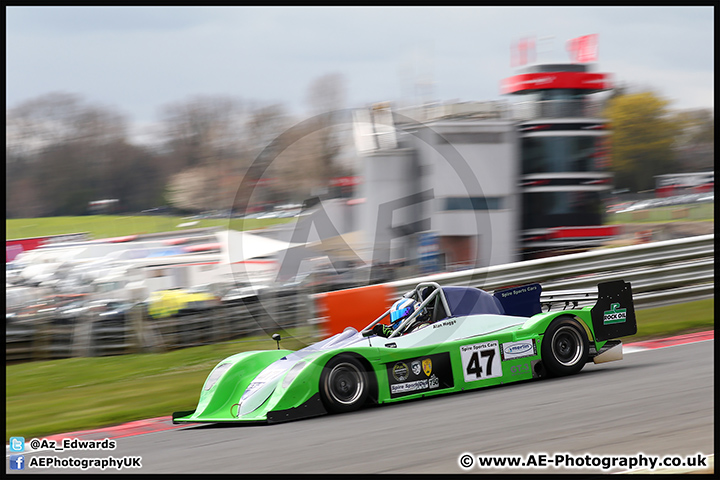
653,402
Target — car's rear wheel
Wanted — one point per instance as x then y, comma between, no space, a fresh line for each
344,384
564,347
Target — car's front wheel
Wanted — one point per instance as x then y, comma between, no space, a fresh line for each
564,347
344,384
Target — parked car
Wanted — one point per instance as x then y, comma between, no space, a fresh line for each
178,301
244,294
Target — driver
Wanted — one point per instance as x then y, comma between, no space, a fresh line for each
400,310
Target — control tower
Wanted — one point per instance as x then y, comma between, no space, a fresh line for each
564,163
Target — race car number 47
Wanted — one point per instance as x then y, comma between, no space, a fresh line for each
481,361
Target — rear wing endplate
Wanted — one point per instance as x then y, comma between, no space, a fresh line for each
613,315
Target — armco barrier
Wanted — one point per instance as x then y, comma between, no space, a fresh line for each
659,263
667,272
45,337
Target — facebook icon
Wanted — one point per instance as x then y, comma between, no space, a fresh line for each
17,462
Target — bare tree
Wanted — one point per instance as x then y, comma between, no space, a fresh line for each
326,97
266,141
695,145
300,159
187,189
57,150
206,136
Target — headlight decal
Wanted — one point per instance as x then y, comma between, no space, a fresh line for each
293,373
215,375
251,389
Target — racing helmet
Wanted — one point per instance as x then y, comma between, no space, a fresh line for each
401,310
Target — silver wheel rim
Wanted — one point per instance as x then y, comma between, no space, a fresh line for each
567,346
345,383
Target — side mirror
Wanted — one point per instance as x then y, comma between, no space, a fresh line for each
276,337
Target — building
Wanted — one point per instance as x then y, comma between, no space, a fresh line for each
564,161
447,173
492,182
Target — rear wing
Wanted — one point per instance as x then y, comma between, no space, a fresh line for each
569,298
612,315
528,300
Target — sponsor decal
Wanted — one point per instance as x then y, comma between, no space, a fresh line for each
520,291
518,349
523,348
481,361
614,315
416,375
400,372
391,345
409,387
520,369
427,366
540,80
574,80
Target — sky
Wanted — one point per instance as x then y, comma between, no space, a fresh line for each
138,59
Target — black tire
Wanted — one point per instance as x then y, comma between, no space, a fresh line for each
564,347
344,384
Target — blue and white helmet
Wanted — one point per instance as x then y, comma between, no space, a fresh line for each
401,310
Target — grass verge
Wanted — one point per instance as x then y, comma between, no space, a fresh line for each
678,213
74,394
108,226
671,320
43,398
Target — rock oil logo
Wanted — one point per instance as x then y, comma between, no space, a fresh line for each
614,315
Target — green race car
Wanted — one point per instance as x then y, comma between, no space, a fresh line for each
442,339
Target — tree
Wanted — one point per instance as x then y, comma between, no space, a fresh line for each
187,189
327,98
695,144
58,154
641,140
133,175
204,136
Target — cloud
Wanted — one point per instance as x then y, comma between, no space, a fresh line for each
139,58
51,21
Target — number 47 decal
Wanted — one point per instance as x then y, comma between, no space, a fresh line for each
481,361
474,366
